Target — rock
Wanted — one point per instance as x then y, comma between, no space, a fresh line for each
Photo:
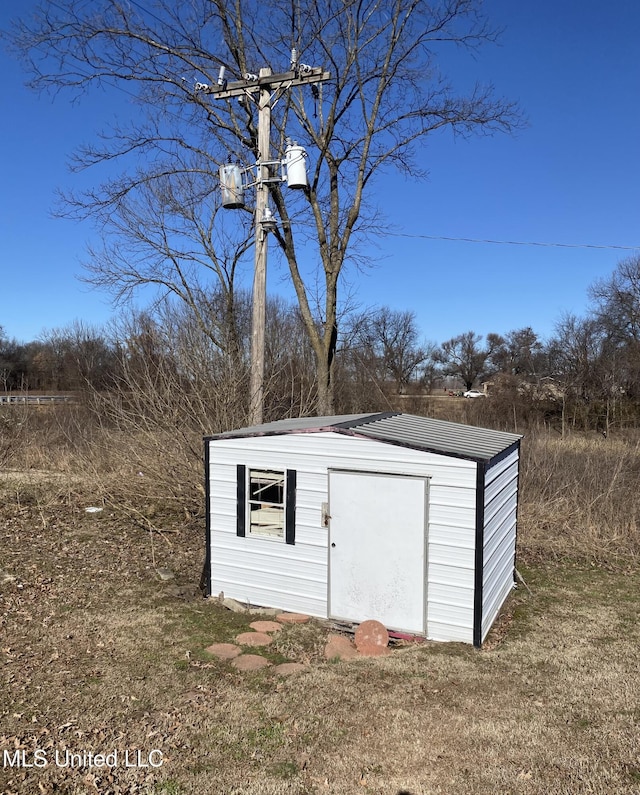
165,574
250,662
253,639
341,647
266,626
292,618
224,651
235,607
371,634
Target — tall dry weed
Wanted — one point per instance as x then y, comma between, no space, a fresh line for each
580,499
44,438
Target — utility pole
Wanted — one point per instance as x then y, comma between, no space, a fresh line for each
261,89
259,295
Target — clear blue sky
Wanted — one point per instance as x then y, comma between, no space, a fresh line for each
572,176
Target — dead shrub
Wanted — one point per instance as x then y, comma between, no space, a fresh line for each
139,447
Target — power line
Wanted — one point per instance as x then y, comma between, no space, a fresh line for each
512,242
146,11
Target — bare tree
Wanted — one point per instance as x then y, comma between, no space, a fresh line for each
387,342
7,362
519,353
465,357
387,93
575,352
76,357
169,236
616,309
593,371
290,383
616,301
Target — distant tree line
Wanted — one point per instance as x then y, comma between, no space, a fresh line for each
179,359
62,360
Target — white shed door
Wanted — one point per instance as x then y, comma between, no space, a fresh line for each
377,542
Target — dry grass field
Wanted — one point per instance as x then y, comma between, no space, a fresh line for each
100,656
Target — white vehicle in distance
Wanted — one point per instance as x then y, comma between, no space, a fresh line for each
474,393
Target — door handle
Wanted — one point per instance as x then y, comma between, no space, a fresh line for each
333,544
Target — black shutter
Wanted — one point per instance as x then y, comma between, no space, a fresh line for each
290,508
241,501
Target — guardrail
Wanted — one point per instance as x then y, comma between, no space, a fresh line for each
33,400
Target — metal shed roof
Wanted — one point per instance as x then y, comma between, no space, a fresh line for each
407,430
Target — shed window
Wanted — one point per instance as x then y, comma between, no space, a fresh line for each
266,500
266,503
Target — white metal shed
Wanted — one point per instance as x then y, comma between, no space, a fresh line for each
394,517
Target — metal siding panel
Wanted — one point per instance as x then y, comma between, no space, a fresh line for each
505,515
314,534
317,452
451,537
451,575
501,500
497,470
500,486
452,556
252,570
500,539
273,597
501,569
457,494
240,566
449,632
445,593
454,615
265,571
493,608
444,529
240,573
452,515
